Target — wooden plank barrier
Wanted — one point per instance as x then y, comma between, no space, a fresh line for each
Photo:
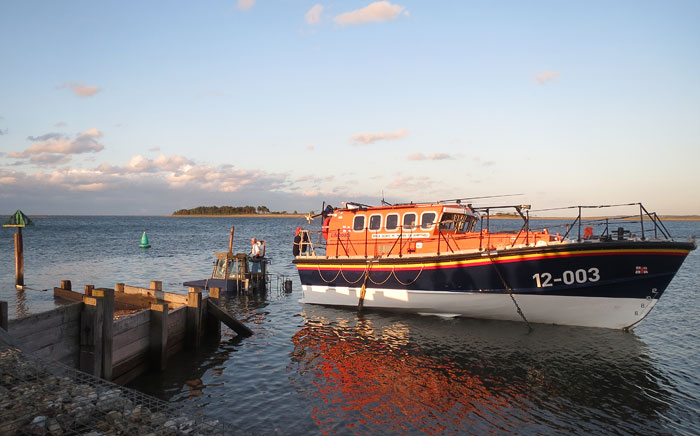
177,320
85,335
91,324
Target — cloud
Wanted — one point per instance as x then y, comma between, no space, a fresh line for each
432,156
244,5
60,124
545,77
374,12
3,132
313,17
154,149
56,148
81,90
45,137
368,138
310,147
483,163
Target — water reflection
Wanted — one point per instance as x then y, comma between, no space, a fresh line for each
413,375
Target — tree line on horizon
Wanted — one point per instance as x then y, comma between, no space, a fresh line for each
227,210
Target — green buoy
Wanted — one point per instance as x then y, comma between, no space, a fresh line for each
144,241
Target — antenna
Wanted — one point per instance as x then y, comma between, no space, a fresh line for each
478,198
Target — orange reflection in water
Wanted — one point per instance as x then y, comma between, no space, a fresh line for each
369,379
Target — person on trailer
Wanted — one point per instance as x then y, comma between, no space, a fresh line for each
257,248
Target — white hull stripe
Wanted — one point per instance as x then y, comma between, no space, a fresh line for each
615,313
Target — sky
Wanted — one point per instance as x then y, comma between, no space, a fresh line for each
143,108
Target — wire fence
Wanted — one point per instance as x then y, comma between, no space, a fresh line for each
39,397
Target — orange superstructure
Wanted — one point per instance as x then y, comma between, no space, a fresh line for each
420,229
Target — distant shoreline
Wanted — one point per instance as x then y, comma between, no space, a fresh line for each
242,215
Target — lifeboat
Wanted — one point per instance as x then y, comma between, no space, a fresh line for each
446,259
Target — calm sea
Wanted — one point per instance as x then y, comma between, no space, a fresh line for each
314,370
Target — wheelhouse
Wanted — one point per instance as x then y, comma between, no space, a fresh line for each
414,229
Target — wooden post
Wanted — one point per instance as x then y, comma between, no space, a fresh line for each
3,315
158,336
65,284
214,293
107,296
119,287
19,259
194,317
212,324
91,324
230,242
223,316
157,285
90,288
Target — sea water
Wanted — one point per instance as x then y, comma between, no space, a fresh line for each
317,370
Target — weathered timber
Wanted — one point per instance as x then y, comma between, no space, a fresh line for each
89,289
131,368
156,285
19,258
159,336
68,294
107,329
227,319
32,324
176,330
213,325
194,317
3,315
66,284
91,336
156,294
130,322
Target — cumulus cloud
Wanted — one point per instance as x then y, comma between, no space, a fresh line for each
154,148
313,16
56,148
60,124
432,156
368,138
374,12
310,147
545,77
80,89
244,5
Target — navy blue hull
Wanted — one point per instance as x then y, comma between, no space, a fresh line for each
627,269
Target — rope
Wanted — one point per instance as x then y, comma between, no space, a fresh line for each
346,279
411,282
364,288
381,283
510,291
318,267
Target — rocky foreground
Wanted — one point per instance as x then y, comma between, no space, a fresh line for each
40,398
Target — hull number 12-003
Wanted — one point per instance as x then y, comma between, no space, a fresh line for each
568,277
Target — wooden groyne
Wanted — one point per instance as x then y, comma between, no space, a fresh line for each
118,334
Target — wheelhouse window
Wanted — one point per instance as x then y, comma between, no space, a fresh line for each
427,219
392,221
409,221
375,222
452,221
358,223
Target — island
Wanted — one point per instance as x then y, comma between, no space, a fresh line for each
232,211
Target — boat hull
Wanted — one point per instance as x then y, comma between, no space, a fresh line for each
595,284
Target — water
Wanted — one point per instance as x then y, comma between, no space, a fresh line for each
316,370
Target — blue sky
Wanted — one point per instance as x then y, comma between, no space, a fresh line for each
148,107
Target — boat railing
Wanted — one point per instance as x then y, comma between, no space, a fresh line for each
648,222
